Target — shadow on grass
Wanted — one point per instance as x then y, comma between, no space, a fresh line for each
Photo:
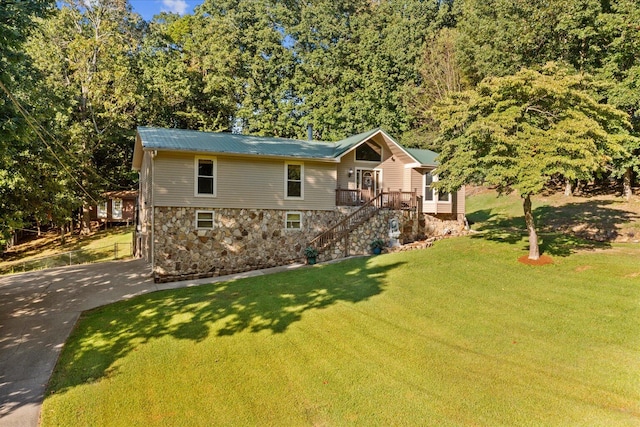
52,242
562,230
264,303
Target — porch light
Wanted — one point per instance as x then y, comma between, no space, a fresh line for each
350,172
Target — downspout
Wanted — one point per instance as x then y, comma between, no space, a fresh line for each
153,215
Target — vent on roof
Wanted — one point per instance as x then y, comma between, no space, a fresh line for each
310,132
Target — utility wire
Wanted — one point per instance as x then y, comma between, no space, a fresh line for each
35,129
104,180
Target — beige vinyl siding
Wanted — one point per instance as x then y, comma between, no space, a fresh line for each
242,182
416,180
460,200
145,203
445,207
344,180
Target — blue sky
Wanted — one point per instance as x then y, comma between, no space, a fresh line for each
148,8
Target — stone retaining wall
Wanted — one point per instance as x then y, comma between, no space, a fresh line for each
413,228
252,239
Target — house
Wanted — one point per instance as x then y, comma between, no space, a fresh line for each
116,207
215,203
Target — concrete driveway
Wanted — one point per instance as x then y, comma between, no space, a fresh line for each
38,311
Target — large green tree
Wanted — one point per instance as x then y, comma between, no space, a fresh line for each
21,181
87,53
498,37
621,69
518,132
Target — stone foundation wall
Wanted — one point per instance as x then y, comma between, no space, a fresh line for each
252,239
242,240
412,228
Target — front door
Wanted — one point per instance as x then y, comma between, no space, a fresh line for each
368,182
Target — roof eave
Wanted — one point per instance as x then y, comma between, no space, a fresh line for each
418,165
250,155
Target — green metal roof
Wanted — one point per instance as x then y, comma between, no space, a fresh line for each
424,157
223,142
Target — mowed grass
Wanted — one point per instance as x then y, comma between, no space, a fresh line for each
458,334
48,252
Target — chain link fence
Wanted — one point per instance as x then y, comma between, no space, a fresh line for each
81,256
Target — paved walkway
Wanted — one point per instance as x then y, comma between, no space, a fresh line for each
38,311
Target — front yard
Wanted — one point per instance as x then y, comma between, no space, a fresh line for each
459,334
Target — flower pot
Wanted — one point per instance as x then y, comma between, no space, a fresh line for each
377,251
311,261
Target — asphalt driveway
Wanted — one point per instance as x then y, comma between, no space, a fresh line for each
38,311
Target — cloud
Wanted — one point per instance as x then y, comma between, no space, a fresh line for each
175,6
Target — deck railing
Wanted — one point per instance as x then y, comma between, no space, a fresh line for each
352,197
398,200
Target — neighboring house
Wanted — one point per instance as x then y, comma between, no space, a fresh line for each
215,203
116,207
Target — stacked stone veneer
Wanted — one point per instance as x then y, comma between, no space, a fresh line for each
413,227
241,240
251,239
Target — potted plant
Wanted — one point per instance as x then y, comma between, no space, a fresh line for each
377,245
311,253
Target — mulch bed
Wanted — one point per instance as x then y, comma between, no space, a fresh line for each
543,260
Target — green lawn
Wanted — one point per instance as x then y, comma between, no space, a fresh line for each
48,252
458,334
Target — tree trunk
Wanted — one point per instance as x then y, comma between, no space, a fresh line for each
85,225
534,250
626,184
568,188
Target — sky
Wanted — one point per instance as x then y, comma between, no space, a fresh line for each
148,8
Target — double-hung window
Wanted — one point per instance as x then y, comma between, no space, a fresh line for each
116,209
102,210
430,193
293,221
205,179
294,180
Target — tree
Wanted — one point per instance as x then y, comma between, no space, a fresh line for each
622,69
498,37
18,85
87,53
440,76
518,132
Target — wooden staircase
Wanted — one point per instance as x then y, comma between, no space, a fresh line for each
347,225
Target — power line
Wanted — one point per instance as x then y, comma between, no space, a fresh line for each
26,116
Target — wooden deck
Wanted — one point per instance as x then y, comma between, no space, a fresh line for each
397,200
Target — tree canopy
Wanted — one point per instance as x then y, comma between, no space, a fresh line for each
86,73
520,131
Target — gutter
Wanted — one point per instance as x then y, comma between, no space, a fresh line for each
245,155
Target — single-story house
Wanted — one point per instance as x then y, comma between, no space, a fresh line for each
213,203
115,207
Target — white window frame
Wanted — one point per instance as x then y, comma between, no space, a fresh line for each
435,193
196,176
355,157
114,210
286,181
102,210
213,220
287,222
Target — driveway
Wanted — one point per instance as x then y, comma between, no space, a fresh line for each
38,311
